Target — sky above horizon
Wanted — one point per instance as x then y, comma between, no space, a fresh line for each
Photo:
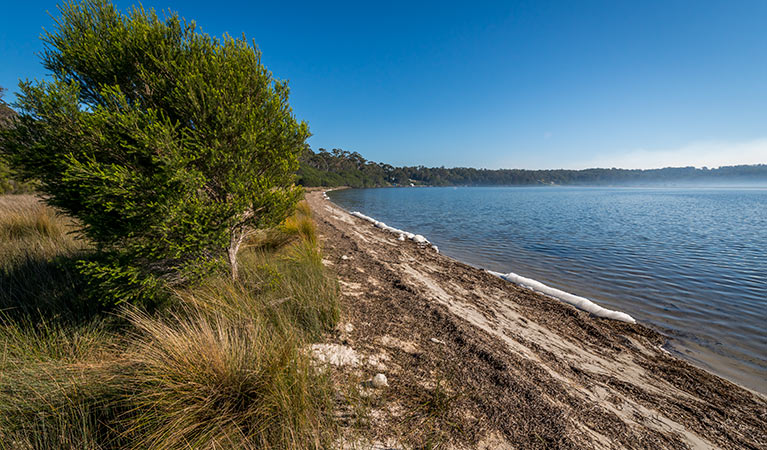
517,84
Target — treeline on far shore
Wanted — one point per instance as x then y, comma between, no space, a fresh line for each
343,168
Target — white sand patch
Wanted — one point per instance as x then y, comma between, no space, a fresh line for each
351,288
335,354
378,361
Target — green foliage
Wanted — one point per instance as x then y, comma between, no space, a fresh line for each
340,168
169,146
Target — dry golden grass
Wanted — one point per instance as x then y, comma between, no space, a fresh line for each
224,368
208,380
31,230
38,248
299,226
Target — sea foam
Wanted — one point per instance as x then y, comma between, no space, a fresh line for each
417,238
579,302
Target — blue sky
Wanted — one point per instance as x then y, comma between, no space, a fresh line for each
536,84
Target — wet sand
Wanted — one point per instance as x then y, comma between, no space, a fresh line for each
509,368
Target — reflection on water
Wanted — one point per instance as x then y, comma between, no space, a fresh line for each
690,262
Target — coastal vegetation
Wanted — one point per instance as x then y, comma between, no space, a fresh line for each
223,365
162,284
9,184
343,168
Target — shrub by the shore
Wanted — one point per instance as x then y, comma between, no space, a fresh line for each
168,145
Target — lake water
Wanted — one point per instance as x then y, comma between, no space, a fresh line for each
691,263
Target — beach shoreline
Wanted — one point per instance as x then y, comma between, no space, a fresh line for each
707,313
522,363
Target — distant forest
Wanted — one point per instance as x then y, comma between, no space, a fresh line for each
343,168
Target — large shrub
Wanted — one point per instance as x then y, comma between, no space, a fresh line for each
168,145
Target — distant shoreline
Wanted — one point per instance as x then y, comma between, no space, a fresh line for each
340,167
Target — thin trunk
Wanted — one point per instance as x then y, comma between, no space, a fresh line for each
234,247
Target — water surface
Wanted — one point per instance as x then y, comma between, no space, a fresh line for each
689,262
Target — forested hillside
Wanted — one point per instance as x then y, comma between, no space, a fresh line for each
342,168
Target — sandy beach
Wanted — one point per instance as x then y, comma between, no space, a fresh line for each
511,368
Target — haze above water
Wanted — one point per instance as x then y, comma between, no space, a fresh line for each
691,262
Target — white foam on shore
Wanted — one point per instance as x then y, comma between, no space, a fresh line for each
417,238
579,302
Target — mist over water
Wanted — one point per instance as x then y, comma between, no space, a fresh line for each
691,262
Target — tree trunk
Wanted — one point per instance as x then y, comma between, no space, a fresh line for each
234,247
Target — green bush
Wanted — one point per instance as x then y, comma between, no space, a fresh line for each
167,145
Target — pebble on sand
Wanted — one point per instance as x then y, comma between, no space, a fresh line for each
379,381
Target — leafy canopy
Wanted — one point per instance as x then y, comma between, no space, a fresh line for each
167,144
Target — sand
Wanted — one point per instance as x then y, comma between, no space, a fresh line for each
473,361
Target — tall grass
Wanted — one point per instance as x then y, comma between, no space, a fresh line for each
208,380
224,367
292,289
54,352
30,228
38,248
58,388
299,226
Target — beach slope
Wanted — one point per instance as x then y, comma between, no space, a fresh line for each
474,361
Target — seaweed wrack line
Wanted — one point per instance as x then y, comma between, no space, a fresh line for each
579,302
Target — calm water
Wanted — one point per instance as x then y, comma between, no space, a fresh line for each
689,262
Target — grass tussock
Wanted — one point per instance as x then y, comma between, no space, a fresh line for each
292,288
58,389
28,226
38,249
299,226
225,367
214,381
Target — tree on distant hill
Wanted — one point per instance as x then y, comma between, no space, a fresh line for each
6,113
170,146
8,184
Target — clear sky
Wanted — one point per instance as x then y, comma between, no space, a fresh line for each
512,84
